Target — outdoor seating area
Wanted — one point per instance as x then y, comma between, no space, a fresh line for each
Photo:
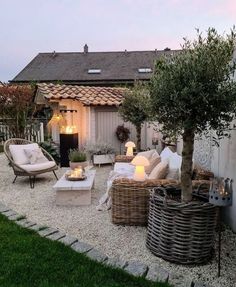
98,228
117,166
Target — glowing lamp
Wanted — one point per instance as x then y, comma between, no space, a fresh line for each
130,146
140,162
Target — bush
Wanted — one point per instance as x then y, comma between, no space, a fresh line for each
52,149
77,156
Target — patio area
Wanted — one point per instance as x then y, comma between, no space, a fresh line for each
95,227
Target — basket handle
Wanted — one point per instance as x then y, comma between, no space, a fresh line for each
156,190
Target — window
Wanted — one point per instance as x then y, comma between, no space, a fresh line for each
94,71
144,70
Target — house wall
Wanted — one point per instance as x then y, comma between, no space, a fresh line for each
81,120
104,121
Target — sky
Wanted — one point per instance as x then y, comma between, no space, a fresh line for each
28,27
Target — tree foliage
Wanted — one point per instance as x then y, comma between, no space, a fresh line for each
16,104
136,108
193,91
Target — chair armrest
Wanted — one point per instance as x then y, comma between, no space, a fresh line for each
149,183
123,158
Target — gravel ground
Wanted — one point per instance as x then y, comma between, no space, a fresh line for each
94,227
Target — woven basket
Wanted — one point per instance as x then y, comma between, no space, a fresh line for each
130,205
181,233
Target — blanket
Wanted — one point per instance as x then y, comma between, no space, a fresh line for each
121,170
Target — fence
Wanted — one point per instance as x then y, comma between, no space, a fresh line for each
34,131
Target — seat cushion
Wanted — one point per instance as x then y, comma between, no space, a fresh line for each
38,166
18,154
124,168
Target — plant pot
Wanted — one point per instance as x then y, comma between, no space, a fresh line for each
103,158
180,232
74,165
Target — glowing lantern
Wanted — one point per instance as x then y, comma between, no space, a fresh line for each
140,162
130,145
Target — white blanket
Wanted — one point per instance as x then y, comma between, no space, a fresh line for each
120,170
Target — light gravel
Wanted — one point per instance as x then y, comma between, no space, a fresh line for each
94,227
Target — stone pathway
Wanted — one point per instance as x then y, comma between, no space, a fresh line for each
153,272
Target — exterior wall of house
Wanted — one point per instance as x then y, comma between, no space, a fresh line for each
104,123
80,119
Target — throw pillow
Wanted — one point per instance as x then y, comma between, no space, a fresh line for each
148,154
166,153
18,154
160,171
35,156
153,162
173,173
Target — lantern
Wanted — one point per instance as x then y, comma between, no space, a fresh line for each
140,162
221,191
130,145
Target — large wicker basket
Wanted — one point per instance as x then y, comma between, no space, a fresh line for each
181,232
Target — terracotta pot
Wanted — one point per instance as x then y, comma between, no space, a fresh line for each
74,165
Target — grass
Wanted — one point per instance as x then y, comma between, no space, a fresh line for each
26,259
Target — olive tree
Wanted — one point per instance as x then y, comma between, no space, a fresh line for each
194,92
135,108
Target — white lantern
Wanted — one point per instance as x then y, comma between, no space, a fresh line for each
140,162
130,145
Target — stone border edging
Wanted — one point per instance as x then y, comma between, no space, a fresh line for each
153,272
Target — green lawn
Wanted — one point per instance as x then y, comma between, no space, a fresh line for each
26,259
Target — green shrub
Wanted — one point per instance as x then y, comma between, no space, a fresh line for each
52,149
77,156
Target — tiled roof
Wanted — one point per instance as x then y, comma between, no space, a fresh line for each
101,96
73,67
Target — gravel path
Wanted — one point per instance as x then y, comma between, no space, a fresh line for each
94,227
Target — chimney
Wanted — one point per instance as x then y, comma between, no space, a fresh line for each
85,49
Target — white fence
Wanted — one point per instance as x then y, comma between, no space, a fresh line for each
33,132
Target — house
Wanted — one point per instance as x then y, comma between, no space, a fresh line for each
91,68
91,85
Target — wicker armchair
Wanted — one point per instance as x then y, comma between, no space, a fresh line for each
123,158
18,170
130,199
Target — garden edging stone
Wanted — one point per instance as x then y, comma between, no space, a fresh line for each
135,268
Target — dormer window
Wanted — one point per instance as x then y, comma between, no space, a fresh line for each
94,71
144,70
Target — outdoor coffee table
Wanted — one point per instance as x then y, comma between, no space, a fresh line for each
73,193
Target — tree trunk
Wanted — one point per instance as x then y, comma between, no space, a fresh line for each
187,163
138,135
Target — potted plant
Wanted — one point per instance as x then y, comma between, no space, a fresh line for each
101,152
77,158
192,93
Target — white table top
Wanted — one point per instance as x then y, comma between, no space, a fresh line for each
63,184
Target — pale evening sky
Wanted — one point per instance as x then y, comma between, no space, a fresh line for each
32,26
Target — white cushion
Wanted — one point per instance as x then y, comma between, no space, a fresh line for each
37,166
148,154
18,154
173,173
166,153
35,155
160,171
124,168
175,162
